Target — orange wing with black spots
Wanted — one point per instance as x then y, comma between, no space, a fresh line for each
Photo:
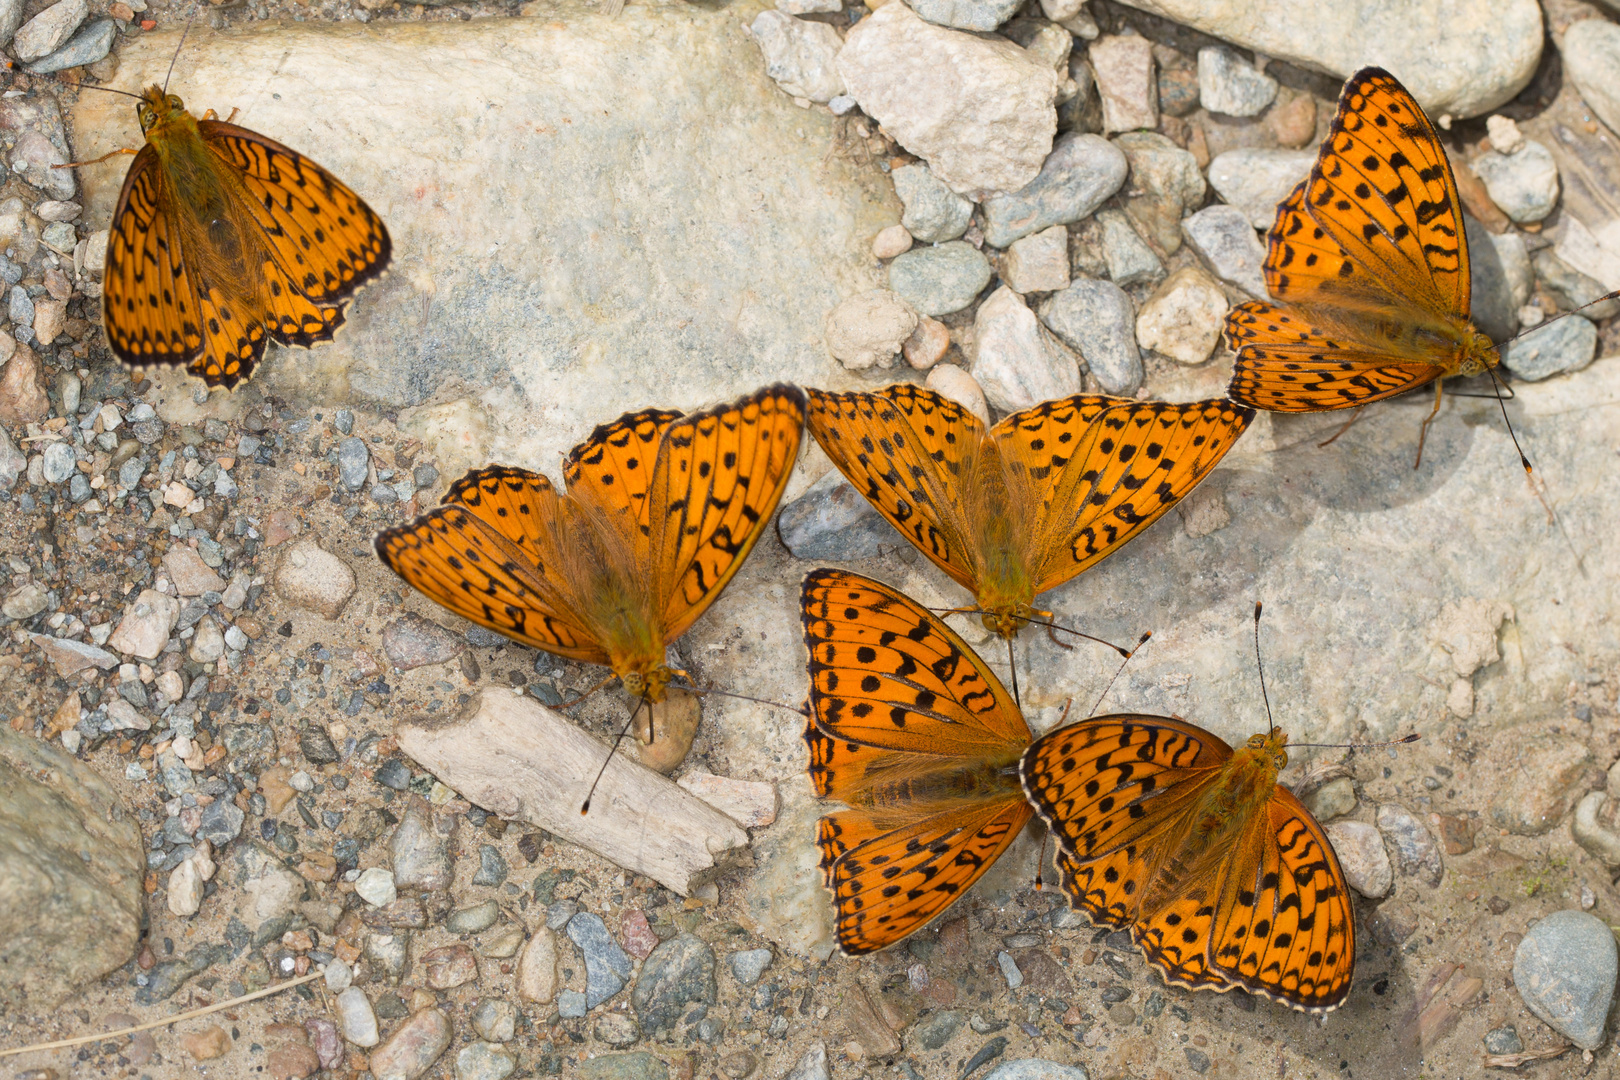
223,240
490,554
584,575
912,731
1105,469
1369,260
1223,877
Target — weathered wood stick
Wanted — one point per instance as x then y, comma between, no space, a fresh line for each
511,755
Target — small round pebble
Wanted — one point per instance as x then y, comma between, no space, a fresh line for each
891,242
376,886
750,964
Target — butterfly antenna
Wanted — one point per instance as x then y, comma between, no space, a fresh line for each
17,69
176,55
1412,738
706,691
1529,471
1050,626
1261,667
1143,640
585,807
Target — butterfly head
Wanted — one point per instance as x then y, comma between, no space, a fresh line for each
1273,746
651,685
158,108
1477,353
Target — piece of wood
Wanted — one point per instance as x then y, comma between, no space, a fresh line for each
513,756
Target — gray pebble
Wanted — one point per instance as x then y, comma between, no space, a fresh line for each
474,919
425,477
983,15
939,280
831,520
495,1020
1562,346
843,105
19,307
678,972
1037,1069
1130,260
749,965
1572,287
79,487
421,859
1564,970
1080,172
59,462
484,1061
607,968
394,774
492,868
343,421
1229,86
353,457
1524,184
1225,240
935,1030
1503,1040
1414,850
59,236
221,823
1095,319
570,1004
933,211
130,473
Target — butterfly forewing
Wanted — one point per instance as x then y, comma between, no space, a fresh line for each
718,478
885,672
150,303
614,466
1383,189
912,731
1131,464
489,555
909,451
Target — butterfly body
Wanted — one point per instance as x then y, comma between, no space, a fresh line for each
1221,875
1024,506
223,240
1367,267
659,512
919,739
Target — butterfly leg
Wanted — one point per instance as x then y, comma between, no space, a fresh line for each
1344,428
212,115
97,161
1423,432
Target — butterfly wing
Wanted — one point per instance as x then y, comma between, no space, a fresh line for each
717,479
912,731
613,468
1116,791
908,450
491,554
889,674
1283,926
1287,364
324,241
149,296
1104,469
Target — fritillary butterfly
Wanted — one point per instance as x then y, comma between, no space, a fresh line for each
660,512
222,240
1223,877
1043,495
1368,263
912,731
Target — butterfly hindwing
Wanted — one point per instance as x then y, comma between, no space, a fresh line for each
1285,363
718,478
150,296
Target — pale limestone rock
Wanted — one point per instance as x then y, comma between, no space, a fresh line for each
749,803
1360,848
978,110
868,329
1039,263
950,381
312,578
1491,46
144,629
1184,317
1016,362
1255,181
800,54
1125,79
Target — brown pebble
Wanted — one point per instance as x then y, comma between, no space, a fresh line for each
277,792
1199,1040
292,1062
206,1045
122,12
412,1050
927,343
285,1032
450,966
1293,123
1456,834
1088,957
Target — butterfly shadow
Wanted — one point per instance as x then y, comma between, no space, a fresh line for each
1369,467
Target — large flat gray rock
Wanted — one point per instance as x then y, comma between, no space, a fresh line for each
589,215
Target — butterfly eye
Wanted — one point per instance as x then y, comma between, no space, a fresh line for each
175,103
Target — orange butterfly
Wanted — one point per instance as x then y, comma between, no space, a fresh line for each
912,730
661,510
1221,874
1021,508
1370,257
223,239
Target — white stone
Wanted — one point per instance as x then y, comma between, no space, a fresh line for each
208,644
868,329
950,381
122,716
978,110
808,7
313,578
1255,181
375,886
1231,87
1184,317
191,576
894,240
1366,864
144,629
339,976
356,1018
1490,52
1523,184
1038,263
171,686
537,969
1591,57
1506,138
46,31
1125,81
185,889
750,803
1061,10
1016,363
800,54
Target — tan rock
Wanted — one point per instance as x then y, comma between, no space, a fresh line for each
314,579
206,1045
22,388
537,970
